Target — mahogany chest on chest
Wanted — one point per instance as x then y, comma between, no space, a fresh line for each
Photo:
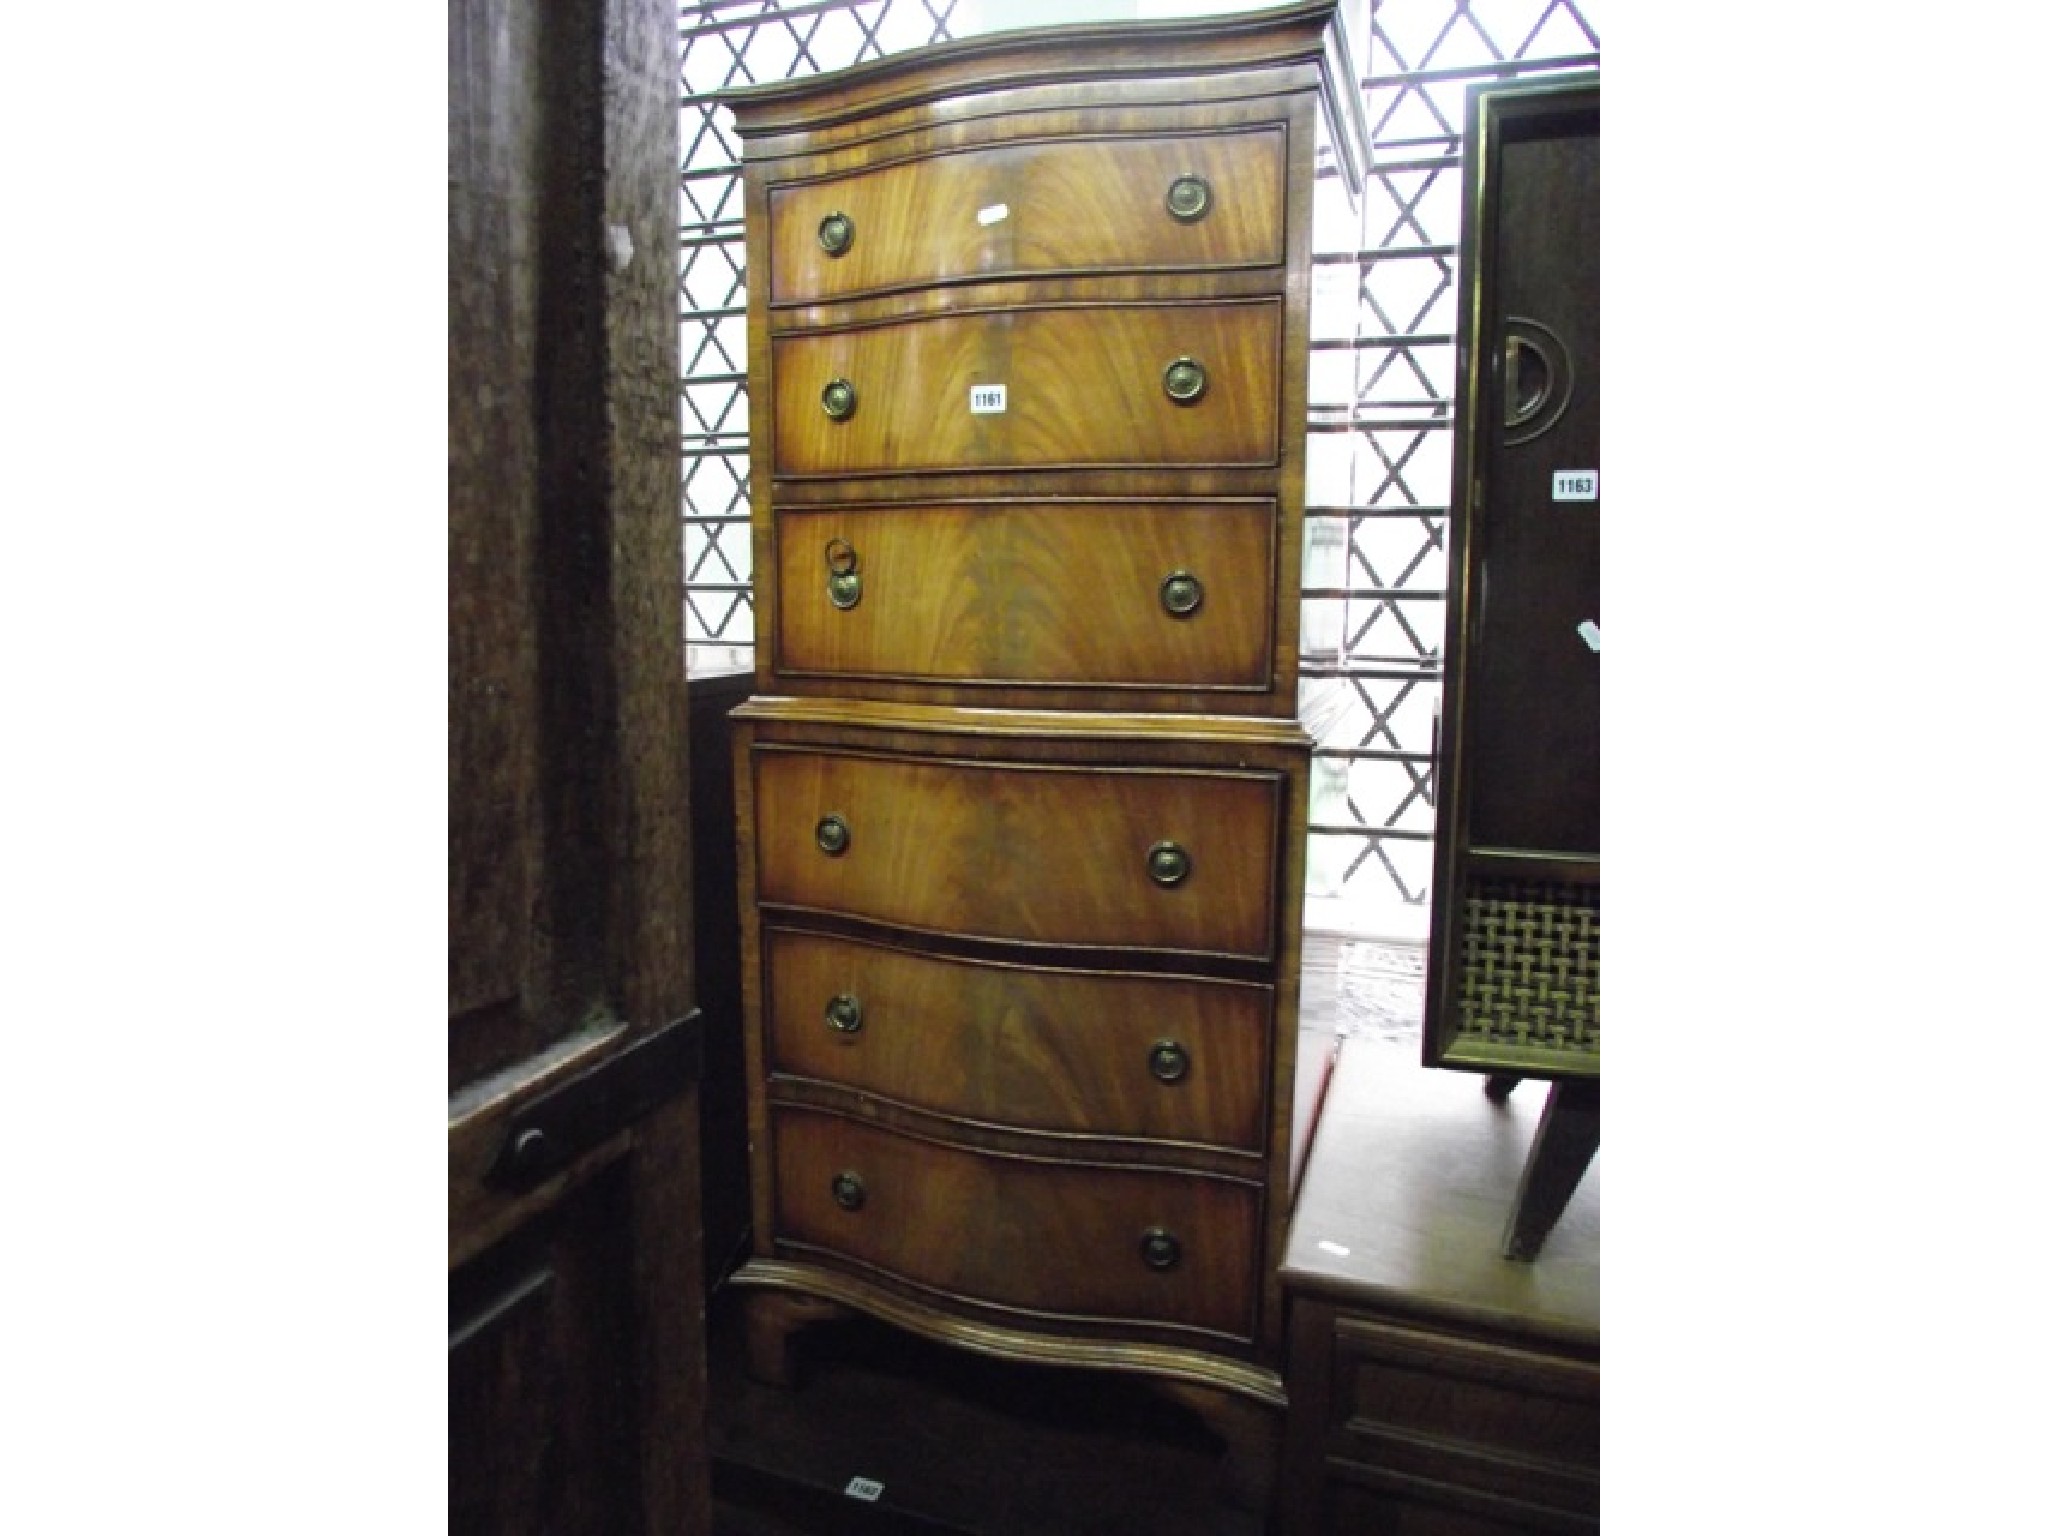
1021,794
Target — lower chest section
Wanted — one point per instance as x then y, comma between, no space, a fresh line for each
1021,1012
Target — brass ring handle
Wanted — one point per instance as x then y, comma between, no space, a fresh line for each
849,1190
1168,864
839,399
1180,594
1186,381
844,1014
834,835
842,586
1160,1249
835,233
1169,1061
1188,198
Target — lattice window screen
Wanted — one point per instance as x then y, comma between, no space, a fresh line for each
1381,386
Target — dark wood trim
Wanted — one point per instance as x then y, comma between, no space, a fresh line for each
548,1133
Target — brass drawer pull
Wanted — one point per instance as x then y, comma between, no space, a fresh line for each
1160,1249
1188,198
1169,1061
834,835
1186,381
1168,864
1180,594
840,399
835,233
849,1190
843,1013
842,585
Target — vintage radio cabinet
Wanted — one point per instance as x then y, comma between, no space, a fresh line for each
1514,961
1022,794
1515,964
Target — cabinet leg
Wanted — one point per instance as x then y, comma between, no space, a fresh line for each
1250,1433
1566,1138
773,1319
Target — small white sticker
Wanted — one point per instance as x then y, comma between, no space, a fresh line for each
1337,1248
1590,633
988,399
864,1488
994,213
1575,485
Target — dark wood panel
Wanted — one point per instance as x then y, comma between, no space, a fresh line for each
576,1365
1049,1237
495,155
1050,855
1096,204
1018,1046
1084,388
1033,592
540,1395
1533,719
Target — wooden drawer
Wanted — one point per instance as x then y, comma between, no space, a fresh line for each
1012,1045
1084,386
1045,1237
1429,1408
1031,592
1058,206
1029,852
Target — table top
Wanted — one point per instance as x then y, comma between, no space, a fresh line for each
1410,1184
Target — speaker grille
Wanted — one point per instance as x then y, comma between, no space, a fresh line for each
1530,973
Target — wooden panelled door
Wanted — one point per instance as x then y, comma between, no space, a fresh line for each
576,1356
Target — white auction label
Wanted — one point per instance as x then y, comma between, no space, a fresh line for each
994,213
988,399
1575,485
864,1488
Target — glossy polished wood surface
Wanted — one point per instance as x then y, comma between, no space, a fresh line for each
1062,205
1044,1236
1059,1050
1001,708
1214,59
1085,387
1032,592
1040,854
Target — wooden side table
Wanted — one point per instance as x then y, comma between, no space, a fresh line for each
1435,1384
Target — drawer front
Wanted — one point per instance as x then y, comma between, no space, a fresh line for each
1083,386
1042,1236
1097,205
1498,1420
1061,854
1169,1058
1162,594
